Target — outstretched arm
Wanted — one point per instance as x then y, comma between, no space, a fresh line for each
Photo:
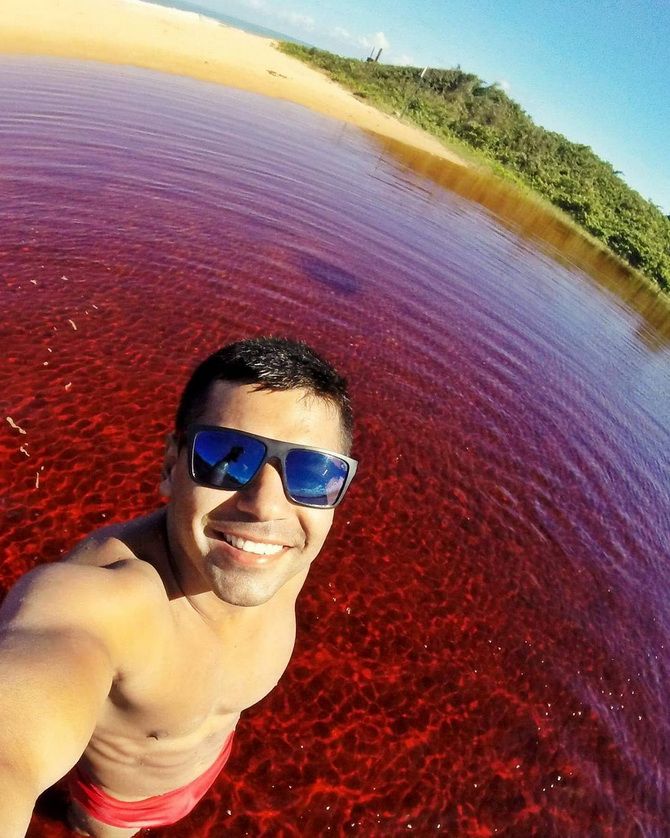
55,674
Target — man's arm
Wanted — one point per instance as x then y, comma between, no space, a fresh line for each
13,807
55,673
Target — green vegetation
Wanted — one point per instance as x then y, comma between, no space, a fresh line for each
458,106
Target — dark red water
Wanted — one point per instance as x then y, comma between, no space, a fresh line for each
482,646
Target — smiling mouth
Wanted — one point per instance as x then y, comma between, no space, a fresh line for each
256,547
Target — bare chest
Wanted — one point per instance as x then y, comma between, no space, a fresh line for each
166,720
200,677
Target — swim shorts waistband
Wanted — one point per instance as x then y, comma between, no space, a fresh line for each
161,810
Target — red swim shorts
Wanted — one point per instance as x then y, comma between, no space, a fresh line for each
161,810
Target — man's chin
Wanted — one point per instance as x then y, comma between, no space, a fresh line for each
242,589
242,599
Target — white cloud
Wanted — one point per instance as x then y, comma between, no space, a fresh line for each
297,19
345,34
504,84
368,42
378,41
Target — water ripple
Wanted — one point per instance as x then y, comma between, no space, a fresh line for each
495,591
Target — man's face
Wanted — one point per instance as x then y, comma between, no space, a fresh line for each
203,522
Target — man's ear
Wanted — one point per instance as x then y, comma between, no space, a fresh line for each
169,463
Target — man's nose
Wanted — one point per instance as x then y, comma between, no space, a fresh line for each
264,497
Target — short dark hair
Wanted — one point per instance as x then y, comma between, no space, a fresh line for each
271,363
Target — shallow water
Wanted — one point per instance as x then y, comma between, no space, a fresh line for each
483,644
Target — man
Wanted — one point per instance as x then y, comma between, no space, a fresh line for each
128,664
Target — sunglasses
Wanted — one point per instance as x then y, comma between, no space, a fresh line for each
224,458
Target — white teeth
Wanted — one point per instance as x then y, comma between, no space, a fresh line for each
252,546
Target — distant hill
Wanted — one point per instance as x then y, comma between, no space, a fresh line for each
454,105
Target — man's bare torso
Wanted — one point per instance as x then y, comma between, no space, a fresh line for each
183,677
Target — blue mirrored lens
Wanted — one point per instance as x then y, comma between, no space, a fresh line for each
226,459
315,478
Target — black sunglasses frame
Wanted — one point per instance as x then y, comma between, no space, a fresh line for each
275,449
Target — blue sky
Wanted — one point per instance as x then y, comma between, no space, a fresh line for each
598,71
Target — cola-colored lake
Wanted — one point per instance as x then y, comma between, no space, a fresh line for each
483,644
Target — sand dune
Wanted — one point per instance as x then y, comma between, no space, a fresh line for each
185,43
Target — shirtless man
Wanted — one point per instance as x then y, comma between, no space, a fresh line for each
128,663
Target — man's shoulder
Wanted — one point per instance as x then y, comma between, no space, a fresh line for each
122,607
101,585
130,552
103,582
107,546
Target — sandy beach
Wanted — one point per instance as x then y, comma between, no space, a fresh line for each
188,44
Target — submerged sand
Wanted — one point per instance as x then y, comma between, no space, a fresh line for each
188,44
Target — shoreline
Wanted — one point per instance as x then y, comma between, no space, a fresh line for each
186,43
